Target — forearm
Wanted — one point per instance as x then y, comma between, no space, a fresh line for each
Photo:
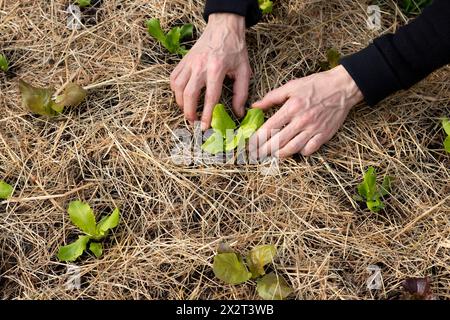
398,61
245,8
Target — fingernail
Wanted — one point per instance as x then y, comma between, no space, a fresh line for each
204,126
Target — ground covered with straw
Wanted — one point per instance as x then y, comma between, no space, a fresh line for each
115,150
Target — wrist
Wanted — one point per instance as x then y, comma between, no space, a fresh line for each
348,86
231,20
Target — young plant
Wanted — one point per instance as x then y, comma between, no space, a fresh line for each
333,57
266,6
221,140
83,217
39,100
231,268
446,126
4,63
83,3
6,190
171,40
369,193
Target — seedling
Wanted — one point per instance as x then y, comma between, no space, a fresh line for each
333,57
414,6
39,100
231,268
83,3
6,190
446,126
369,193
224,140
266,6
4,64
171,40
83,217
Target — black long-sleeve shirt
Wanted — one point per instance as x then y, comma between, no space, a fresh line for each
393,61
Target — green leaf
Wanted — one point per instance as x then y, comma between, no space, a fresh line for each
96,248
72,96
38,100
6,190
258,257
214,144
83,217
186,31
230,269
253,120
447,144
221,120
154,29
173,40
375,205
266,6
273,287
4,64
367,189
446,126
83,3
72,251
108,222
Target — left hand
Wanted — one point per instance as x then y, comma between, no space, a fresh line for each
314,108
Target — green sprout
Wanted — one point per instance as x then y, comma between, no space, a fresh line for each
369,193
83,217
171,40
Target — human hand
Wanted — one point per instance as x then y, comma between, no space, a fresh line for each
314,108
221,51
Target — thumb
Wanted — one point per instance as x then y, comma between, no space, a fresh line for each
274,97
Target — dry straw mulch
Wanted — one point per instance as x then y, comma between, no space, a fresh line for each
114,150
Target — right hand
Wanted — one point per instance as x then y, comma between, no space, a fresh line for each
221,51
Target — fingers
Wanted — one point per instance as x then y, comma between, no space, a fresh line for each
314,144
281,118
212,97
295,145
240,91
191,96
278,141
274,97
178,84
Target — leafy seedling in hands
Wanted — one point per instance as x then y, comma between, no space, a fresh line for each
221,123
6,190
83,217
40,101
223,139
333,58
83,3
446,126
369,192
4,63
253,120
229,267
171,40
266,6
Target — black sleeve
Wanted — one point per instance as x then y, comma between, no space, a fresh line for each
398,61
246,8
